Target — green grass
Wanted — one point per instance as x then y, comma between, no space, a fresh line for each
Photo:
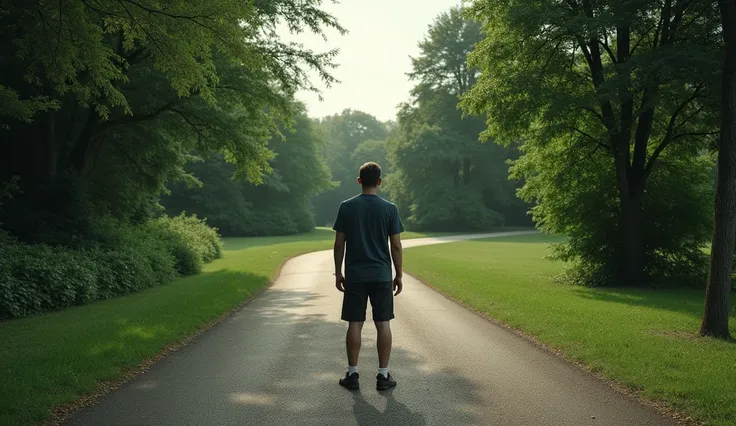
644,339
50,360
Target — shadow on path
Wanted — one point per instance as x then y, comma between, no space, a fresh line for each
394,413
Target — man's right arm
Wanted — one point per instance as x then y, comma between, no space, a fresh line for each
396,254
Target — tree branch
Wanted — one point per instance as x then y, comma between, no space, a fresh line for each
594,112
688,134
691,116
591,138
671,126
137,118
609,51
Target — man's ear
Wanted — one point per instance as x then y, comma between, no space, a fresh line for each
360,182
380,181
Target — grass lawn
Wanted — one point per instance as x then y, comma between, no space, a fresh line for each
50,360
642,338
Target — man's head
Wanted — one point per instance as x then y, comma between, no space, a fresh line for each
370,175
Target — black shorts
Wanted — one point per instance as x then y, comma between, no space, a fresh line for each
355,301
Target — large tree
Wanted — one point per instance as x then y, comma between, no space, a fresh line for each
444,177
111,97
627,80
715,316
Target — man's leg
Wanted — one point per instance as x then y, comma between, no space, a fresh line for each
384,343
382,301
354,304
352,342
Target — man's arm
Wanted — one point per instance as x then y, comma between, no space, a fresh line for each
339,252
339,248
395,230
397,257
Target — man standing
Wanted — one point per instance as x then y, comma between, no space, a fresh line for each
364,226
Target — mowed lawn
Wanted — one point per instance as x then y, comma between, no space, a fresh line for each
644,339
48,361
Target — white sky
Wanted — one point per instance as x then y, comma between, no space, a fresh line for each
374,55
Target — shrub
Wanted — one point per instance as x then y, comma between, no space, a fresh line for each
114,260
37,278
192,232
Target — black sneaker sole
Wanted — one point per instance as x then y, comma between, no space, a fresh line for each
350,386
387,386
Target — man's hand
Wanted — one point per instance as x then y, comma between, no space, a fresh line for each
340,282
398,286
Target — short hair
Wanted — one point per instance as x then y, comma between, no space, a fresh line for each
370,174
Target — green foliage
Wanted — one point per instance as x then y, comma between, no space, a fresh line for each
194,243
444,178
109,100
578,199
279,206
371,150
353,138
116,259
103,103
614,106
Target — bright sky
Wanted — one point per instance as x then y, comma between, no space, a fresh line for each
374,55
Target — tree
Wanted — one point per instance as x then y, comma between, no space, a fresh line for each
372,150
715,315
280,205
345,133
106,100
626,80
445,179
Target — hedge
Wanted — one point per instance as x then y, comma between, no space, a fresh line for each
117,259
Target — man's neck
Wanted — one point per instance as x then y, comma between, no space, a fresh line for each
370,191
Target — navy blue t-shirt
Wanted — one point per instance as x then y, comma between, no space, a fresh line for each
367,222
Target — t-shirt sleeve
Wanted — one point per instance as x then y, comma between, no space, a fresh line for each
395,225
339,225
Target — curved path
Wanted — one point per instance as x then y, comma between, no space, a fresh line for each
277,362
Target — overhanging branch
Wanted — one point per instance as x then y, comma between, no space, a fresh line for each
671,127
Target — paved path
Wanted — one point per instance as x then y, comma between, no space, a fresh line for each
277,362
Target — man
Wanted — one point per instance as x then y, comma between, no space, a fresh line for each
364,225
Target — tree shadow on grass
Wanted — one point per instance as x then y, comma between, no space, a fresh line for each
683,301
277,361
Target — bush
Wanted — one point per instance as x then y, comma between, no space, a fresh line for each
37,278
190,240
114,260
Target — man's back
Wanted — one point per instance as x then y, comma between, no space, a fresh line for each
367,221
363,227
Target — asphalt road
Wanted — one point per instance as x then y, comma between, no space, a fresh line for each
277,362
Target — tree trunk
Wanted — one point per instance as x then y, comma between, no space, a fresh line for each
52,148
631,194
715,316
632,270
80,153
466,171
